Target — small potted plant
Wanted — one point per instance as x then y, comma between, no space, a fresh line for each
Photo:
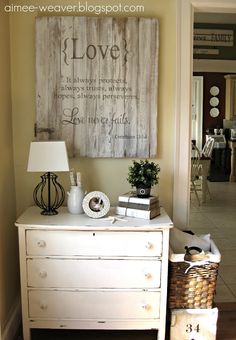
143,175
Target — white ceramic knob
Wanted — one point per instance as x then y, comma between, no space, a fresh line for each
148,275
41,243
146,306
43,274
149,245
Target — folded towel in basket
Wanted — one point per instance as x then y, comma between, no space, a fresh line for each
179,240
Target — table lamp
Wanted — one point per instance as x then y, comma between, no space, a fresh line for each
48,157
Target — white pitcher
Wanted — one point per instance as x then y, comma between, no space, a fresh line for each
75,199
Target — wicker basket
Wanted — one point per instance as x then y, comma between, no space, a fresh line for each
192,286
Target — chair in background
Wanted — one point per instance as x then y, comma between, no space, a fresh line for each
195,171
208,147
204,166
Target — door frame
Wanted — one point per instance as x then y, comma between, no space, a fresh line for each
197,88
184,71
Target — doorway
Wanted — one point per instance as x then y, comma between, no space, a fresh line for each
184,71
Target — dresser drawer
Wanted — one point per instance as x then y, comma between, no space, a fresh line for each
100,305
56,242
62,273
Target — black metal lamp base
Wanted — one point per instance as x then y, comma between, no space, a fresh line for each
49,212
49,195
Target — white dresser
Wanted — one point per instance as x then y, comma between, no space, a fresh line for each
83,273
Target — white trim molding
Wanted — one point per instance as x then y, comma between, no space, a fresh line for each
184,72
13,322
181,199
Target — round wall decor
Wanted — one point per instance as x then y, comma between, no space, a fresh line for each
214,112
96,204
214,90
214,101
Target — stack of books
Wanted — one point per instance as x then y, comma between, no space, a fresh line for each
133,206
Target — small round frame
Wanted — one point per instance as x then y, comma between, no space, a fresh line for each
96,204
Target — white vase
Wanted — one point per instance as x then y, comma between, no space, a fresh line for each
75,199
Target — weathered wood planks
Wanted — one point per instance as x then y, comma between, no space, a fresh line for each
96,84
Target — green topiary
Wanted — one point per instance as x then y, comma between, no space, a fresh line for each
143,173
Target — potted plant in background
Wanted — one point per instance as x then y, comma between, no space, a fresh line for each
143,175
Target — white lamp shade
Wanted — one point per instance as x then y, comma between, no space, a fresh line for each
48,157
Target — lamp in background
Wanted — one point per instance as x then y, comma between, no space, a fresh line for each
48,157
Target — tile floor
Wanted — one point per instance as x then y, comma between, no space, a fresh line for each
218,217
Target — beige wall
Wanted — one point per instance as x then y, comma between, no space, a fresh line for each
17,93
9,286
107,175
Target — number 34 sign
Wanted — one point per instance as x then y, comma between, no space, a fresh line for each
193,324
192,328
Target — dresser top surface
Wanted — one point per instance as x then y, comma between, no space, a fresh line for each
32,218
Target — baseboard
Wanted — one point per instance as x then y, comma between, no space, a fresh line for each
13,322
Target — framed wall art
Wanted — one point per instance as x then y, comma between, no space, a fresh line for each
96,84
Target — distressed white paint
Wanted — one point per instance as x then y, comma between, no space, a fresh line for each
106,273
97,305
96,81
83,273
54,242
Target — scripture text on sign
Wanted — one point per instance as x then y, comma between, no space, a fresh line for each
97,84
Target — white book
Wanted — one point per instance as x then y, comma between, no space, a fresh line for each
133,198
140,206
145,214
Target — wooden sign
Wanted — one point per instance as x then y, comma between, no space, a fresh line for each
96,84
213,37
